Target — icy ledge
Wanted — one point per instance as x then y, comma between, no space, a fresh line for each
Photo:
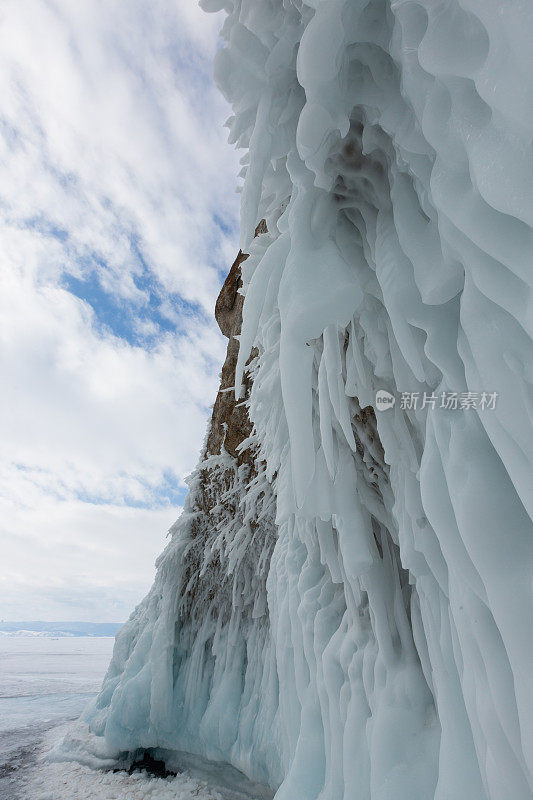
374,641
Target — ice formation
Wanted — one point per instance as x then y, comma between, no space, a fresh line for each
345,609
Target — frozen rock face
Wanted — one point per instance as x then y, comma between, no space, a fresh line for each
230,424
373,641
183,674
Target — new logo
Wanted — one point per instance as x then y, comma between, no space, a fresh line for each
384,400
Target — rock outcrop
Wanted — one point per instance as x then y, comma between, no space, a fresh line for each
230,423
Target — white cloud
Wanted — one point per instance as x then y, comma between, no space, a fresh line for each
115,185
75,560
113,129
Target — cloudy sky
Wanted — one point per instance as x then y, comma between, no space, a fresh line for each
118,221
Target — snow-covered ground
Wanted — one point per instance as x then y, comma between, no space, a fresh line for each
56,782
44,682
64,781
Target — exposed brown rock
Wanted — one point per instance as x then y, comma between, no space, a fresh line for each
230,424
228,308
220,491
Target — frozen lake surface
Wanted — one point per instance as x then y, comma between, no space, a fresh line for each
44,682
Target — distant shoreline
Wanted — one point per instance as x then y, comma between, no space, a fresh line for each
59,629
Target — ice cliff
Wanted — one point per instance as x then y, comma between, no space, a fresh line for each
344,611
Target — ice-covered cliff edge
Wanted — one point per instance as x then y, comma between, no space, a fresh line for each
345,611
